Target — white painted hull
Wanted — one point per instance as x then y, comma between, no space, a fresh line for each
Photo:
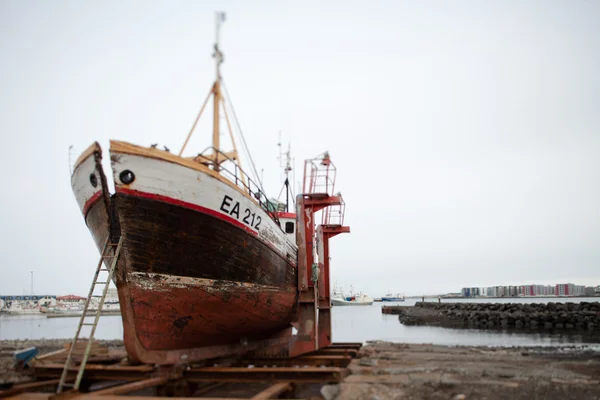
343,302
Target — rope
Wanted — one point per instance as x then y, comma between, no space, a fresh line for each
244,144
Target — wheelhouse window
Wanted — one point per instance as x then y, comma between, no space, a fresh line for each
289,227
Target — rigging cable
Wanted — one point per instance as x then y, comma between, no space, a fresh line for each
245,145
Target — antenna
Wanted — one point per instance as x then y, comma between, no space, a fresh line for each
285,162
70,158
218,55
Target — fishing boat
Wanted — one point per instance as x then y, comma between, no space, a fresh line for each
391,297
207,262
355,300
339,298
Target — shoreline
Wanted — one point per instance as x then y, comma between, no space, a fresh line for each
581,317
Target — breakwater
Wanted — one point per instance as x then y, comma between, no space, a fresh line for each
568,316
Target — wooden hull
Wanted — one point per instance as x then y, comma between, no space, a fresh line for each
193,281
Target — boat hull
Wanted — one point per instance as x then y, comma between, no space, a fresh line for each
343,302
192,284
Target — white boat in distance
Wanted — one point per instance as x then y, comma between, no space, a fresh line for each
357,300
338,298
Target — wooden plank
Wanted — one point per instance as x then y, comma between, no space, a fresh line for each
92,397
313,360
20,388
354,345
99,367
132,387
114,356
208,387
274,391
282,374
340,352
52,354
96,371
31,396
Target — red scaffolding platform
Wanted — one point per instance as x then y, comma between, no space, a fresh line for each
314,313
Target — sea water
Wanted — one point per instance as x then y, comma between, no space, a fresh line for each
349,324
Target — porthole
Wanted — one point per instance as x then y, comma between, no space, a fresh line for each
93,180
127,177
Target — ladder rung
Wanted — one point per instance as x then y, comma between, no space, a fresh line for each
90,313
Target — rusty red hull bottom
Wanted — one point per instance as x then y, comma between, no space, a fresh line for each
207,291
185,324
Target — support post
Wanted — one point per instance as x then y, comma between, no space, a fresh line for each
314,302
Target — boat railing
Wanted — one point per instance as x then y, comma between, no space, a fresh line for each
334,215
319,175
241,179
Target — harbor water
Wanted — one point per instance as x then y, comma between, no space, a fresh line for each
350,324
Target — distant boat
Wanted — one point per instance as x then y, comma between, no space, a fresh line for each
390,297
357,300
338,298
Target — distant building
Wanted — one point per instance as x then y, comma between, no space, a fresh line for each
528,290
10,302
561,289
70,298
470,292
569,289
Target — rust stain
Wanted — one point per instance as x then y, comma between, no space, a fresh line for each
181,323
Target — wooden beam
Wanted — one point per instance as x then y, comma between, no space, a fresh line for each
23,387
273,392
132,387
92,397
196,121
312,360
281,374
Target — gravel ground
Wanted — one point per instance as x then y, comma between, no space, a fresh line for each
422,371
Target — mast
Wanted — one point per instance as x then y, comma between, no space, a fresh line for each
218,156
286,169
218,56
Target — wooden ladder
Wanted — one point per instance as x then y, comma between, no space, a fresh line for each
112,259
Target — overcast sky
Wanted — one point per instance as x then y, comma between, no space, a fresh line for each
466,134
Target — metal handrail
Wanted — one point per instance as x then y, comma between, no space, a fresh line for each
238,176
334,215
319,175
